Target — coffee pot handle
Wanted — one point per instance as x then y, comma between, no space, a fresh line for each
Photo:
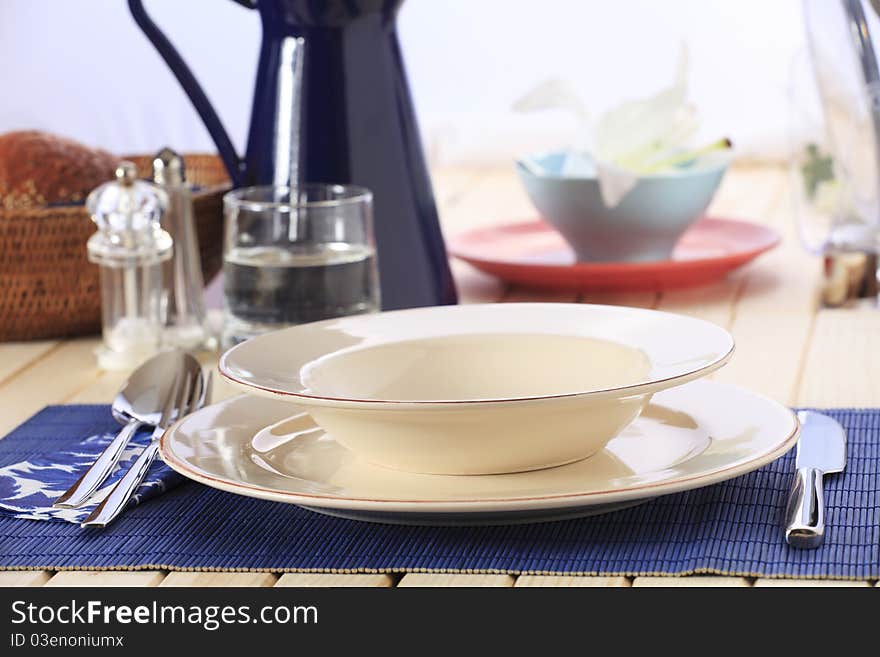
234,164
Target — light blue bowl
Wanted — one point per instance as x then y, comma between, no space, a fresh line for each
646,224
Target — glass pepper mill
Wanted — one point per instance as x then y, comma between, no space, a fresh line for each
131,247
186,325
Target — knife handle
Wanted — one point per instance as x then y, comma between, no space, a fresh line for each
805,527
97,474
116,501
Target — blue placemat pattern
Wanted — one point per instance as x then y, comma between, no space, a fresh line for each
733,527
29,487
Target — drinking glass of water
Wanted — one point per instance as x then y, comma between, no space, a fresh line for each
298,255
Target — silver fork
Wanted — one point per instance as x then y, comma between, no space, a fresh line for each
187,395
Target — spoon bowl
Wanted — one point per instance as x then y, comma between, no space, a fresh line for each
141,397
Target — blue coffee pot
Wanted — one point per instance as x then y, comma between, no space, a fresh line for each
332,104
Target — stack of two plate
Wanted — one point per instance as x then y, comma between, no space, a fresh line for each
480,414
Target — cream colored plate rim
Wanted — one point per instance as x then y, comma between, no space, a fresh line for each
238,367
788,433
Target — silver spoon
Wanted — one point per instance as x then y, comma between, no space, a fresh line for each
188,393
138,403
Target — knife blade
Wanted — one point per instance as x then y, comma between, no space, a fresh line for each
821,450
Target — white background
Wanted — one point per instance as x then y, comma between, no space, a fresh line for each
83,69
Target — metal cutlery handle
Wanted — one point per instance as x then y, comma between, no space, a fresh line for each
92,478
186,395
805,514
116,501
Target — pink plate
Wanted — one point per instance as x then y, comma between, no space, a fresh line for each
533,254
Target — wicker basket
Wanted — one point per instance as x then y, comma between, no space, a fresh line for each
49,289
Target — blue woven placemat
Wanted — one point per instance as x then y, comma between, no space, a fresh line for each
731,528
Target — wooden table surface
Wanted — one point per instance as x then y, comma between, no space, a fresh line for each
788,348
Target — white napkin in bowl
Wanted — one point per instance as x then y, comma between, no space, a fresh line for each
625,141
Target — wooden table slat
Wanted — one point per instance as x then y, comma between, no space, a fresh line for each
16,356
837,373
52,379
221,579
571,581
826,583
371,580
24,577
455,579
106,578
636,299
690,581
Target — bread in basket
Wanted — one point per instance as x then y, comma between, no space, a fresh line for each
48,288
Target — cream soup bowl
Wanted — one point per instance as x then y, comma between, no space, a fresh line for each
478,389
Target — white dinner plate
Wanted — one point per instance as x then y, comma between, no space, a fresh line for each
688,437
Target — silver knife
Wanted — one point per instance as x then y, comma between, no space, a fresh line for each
821,450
